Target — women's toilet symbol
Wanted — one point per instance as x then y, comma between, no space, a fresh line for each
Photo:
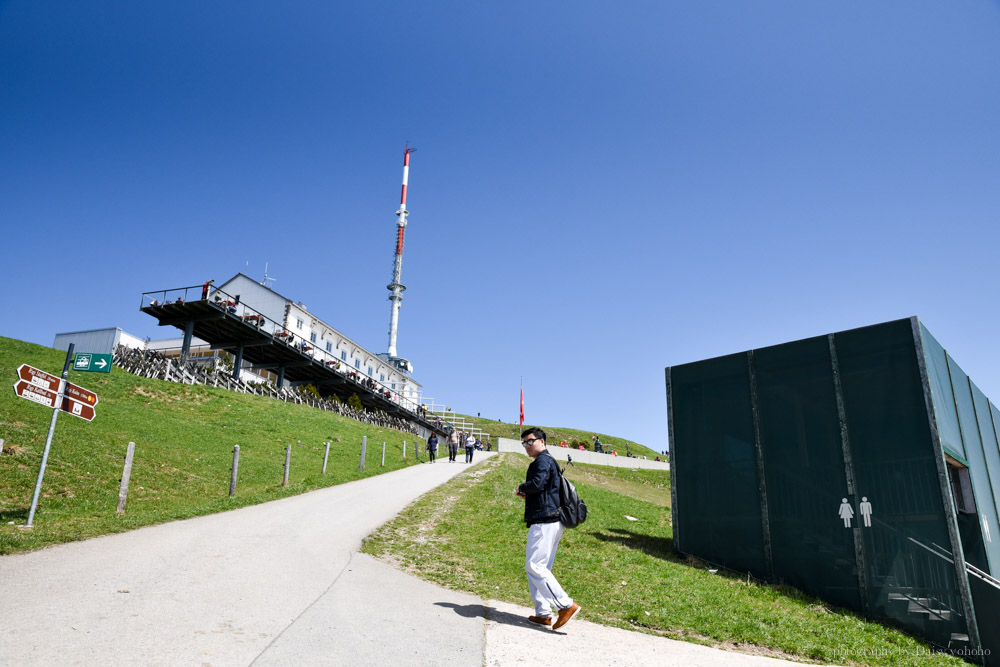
846,512
866,511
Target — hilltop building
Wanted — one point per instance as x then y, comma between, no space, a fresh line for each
327,341
314,337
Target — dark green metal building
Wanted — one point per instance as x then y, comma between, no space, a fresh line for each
862,467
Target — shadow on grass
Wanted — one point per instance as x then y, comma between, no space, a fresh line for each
491,614
659,547
18,516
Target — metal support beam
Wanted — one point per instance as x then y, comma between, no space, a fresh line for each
186,345
238,363
848,457
179,321
256,342
948,500
672,457
268,365
765,517
281,376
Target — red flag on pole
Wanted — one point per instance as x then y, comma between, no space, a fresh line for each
522,406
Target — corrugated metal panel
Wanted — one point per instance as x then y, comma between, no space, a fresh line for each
99,341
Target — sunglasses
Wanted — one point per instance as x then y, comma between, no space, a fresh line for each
528,443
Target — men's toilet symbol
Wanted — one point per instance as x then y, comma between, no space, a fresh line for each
846,512
866,511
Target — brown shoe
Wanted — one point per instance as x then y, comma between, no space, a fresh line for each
565,615
541,620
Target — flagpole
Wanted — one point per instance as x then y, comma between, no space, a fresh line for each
522,403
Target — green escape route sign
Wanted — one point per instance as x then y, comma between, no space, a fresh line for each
90,361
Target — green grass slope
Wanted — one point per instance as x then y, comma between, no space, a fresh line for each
469,535
557,434
184,439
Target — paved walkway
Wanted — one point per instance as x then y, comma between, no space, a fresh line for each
283,584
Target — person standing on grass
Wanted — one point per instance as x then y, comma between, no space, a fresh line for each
432,447
452,446
540,492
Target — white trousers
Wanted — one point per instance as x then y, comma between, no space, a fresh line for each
543,540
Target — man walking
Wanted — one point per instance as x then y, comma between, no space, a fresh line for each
452,446
540,492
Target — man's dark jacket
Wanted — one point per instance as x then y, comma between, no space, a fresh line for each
541,490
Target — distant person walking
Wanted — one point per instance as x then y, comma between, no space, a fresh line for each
540,492
452,446
470,446
432,447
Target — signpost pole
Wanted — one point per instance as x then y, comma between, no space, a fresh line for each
48,438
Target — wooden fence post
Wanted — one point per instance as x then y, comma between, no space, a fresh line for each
383,453
404,449
236,465
126,473
364,446
326,455
288,462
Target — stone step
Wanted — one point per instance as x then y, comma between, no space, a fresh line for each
917,605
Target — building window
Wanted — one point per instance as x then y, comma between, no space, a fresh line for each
381,378
357,363
312,337
343,355
298,323
371,371
393,385
961,487
329,346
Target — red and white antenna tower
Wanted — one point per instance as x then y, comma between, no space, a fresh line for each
396,288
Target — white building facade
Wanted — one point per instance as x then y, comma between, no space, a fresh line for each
97,341
321,340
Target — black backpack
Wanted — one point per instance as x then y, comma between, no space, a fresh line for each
572,509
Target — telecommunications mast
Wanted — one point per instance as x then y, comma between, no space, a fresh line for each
396,288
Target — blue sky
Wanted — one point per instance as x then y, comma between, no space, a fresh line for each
600,190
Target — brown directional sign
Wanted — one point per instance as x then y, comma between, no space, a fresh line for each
38,378
78,393
78,409
43,388
35,393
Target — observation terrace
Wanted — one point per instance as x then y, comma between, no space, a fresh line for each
226,324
